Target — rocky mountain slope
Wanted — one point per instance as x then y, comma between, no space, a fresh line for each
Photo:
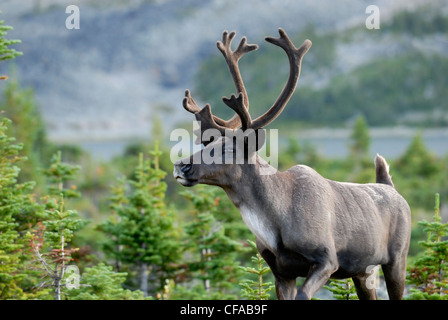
133,58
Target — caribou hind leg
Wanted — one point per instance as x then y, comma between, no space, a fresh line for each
286,289
395,276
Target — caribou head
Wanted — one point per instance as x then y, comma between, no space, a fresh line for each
232,144
305,225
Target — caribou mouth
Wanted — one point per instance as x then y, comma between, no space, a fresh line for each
186,182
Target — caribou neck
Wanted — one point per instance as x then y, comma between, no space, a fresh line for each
256,195
258,187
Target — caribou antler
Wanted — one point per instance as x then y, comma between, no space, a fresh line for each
189,104
295,60
232,58
240,104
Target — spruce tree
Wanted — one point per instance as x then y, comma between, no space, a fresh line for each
417,161
19,105
213,255
430,272
419,173
256,289
359,158
360,139
15,201
14,197
342,289
100,282
50,239
6,52
142,231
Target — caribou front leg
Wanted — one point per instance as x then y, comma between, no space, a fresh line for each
286,289
318,275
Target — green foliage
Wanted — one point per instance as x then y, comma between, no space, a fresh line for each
423,21
359,158
59,174
27,127
342,289
256,290
52,235
417,161
213,258
141,229
296,153
381,102
58,220
430,272
360,139
13,199
102,283
419,174
6,52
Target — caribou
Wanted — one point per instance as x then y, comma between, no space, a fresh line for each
305,225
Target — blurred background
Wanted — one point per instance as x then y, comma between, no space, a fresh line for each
131,61
109,90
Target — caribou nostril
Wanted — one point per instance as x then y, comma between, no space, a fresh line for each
185,168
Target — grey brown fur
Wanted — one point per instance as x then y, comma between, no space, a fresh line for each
305,225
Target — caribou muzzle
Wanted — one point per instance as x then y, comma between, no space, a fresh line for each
183,174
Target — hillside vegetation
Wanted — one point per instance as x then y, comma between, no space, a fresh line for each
401,80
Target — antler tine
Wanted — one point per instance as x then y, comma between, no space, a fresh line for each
207,119
204,115
232,58
189,104
295,56
238,106
244,48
